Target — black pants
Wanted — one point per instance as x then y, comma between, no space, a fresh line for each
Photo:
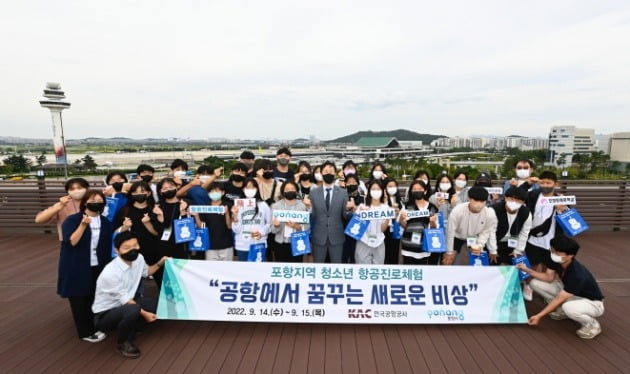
392,249
349,247
126,318
284,253
503,253
81,307
271,249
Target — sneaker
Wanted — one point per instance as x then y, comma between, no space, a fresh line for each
528,293
558,315
95,338
127,349
589,331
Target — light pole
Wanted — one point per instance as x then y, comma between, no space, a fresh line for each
55,103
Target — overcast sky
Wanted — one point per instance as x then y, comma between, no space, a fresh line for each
287,69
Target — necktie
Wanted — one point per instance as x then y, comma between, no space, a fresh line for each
328,198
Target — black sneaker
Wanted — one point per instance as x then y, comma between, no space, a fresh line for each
127,349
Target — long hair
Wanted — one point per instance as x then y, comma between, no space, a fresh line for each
368,198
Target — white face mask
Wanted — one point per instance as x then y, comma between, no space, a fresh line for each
426,181
249,192
203,178
77,194
445,186
556,258
377,174
392,190
179,174
522,173
513,205
318,177
460,183
376,194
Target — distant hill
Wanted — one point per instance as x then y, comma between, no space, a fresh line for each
398,134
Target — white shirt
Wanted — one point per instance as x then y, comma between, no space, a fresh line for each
95,228
540,215
118,283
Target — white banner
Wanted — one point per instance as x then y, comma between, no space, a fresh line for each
374,214
418,213
292,216
207,209
558,200
495,190
335,293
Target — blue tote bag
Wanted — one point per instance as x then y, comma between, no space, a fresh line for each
571,222
300,243
184,229
434,240
356,227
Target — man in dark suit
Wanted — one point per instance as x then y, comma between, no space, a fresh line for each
329,208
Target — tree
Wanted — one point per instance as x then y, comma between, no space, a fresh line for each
213,162
18,163
41,159
88,163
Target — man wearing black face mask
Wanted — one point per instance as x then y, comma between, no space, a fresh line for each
114,304
282,171
234,185
145,173
329,209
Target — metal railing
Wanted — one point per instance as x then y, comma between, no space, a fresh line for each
604,205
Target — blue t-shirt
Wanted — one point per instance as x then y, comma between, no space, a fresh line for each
198,196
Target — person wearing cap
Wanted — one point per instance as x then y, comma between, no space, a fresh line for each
485,180
569,289
513,224
248,158
524,170
470,224
282,172
233,187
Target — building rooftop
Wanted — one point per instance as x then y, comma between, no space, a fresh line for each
38,334
377,142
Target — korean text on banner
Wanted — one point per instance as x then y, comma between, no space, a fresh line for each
336,293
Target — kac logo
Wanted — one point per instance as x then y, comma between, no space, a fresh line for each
359,313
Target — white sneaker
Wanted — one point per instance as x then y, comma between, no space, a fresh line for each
95,338
528,293
589,331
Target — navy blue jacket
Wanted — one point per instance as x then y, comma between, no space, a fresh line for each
75,271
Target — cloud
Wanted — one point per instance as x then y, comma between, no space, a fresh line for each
285,68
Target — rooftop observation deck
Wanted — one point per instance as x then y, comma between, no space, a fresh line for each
37,333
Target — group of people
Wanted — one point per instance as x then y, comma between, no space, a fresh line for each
133,222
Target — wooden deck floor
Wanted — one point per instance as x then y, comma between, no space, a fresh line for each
37,333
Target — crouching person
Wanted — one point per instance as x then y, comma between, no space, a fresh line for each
569,289
115,305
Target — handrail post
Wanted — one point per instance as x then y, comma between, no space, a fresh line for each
619,211
41,192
